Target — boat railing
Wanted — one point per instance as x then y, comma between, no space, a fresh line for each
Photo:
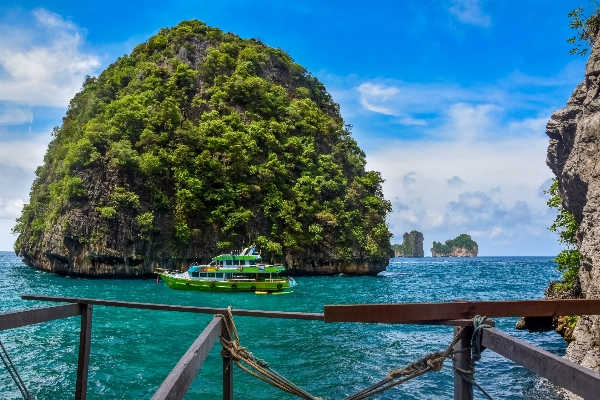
562,372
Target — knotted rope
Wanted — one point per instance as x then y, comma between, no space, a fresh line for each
14,374
253,365
431,362
476,349
260,369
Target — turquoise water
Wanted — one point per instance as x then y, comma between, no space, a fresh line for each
134,350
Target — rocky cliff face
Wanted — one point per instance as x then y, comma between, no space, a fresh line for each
573,156
457,252
200,143
412,245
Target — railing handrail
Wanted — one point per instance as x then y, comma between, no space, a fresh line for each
579,380
170,307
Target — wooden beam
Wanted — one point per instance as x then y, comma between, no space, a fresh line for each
410,312
83,362
192,309
38,315
177,383
463,389
227,361
449,322
560,371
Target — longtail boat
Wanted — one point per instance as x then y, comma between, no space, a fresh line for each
242,272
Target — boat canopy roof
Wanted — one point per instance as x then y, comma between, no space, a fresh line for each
224,257
260,269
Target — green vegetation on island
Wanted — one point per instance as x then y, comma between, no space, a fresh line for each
461,246
196,143
412,245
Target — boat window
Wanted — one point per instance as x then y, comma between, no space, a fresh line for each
236,262
211,275
228,262
195,274
219,275
252,262
203,274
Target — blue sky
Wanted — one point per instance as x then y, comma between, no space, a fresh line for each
448,98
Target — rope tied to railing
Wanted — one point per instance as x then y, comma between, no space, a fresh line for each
431,362
14,374
253,365
476,349
434,361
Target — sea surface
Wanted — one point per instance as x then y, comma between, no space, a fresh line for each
132,351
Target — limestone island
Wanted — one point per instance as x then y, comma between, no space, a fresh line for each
461,246
412,245
196,144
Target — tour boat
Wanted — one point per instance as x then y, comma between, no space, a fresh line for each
242,272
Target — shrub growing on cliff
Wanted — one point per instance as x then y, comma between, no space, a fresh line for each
208,141
587,28
566,227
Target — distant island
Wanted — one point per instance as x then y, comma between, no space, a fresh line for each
412,245
461,246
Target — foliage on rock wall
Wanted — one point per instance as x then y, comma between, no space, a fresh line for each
566,227
222,136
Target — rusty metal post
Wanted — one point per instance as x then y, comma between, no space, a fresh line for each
227,361
83,362
463,390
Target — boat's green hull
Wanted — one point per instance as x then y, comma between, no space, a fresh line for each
225,286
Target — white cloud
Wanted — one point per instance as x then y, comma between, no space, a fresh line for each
41,62
469,122
490,190
423,105
455,182
25,154
18,162
10,208
14,115
470,12
409,178
413,121
459,159
372,96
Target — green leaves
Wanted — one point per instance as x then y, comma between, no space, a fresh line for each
223,141
564,223
568,263
587,29
566,227
146,224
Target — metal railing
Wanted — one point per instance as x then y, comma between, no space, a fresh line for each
571,376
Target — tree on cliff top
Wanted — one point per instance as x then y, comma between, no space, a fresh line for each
587,28
197,142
